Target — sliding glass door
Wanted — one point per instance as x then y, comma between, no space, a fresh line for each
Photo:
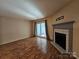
40,27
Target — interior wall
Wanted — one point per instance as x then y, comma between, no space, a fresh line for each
14,29
70,13
50,28
0,32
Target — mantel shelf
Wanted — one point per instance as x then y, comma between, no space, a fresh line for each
64,23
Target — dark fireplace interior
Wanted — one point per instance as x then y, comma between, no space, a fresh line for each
60,39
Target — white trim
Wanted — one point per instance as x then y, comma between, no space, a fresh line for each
64,31
74,54
62,51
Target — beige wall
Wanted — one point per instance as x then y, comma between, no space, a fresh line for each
50,28
0,32
70,12
13,29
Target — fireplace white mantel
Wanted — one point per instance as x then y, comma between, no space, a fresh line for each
66,32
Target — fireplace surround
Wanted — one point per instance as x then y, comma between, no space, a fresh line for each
63,37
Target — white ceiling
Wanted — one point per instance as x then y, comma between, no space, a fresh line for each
30,9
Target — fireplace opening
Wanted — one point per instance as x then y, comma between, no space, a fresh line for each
60,39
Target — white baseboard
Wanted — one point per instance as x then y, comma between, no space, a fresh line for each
14,40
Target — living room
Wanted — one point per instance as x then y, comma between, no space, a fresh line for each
48,20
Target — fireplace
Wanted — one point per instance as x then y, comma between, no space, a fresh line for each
63,36
61,39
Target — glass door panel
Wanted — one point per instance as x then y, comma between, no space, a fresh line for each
43,32
38,29
41,29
